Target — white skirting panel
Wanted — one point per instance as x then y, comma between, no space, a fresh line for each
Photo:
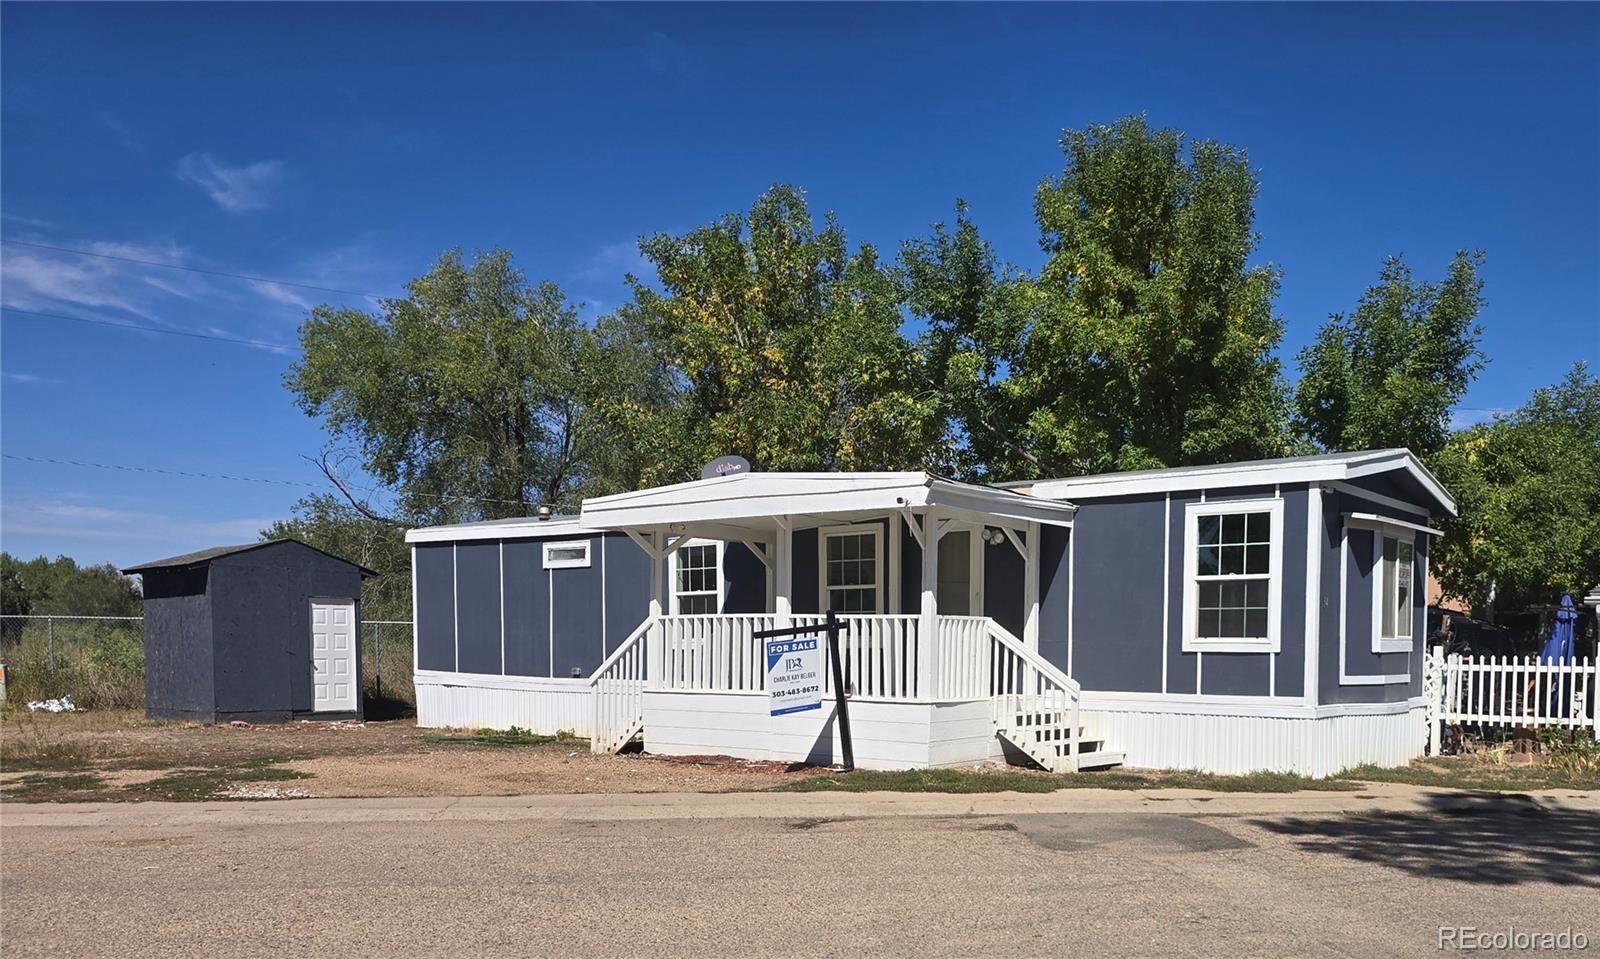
474,701
886,735
1311,745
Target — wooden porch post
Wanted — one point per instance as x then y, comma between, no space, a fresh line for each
783,572
655,646
928,622
1030,589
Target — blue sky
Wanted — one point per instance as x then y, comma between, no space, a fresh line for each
346,146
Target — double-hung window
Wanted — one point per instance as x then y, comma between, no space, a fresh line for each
1393,586
852,569
1233,576
697,578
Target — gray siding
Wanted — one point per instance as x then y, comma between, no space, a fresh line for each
627,570
478,607
575,594
1117,562
1129,548
1357,562
178,655
436,605
527,599
1004,582
746,578
803,554
1055,593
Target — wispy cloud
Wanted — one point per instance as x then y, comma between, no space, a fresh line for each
667,57
27,221
119,131
278,293
1463,418
613,260
27,379
237,189
60,518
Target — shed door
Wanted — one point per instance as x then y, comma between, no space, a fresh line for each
333,656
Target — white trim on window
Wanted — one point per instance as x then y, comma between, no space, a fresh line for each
566,554
826,533
1273,577
721,590
1385,594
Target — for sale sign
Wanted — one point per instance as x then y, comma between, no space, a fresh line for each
794,675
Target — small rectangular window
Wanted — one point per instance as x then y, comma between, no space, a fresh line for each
1397,562
851,569
566,555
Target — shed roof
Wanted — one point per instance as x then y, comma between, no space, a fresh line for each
205,557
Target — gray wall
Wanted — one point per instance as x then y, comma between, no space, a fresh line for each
481,596
1128,548
177,645
1360,660
261,626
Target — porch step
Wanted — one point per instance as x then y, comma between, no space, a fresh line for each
1100,759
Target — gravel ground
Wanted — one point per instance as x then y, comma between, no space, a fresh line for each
1089,884
392,758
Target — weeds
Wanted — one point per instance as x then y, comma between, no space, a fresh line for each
514,736
201,785
981,781
72,787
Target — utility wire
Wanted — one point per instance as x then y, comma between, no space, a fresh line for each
237,479
190,269
145,328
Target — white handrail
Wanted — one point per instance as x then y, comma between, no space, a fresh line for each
617,692
1035,704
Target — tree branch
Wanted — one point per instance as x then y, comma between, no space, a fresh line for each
322,464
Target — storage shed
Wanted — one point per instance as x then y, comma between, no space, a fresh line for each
262,632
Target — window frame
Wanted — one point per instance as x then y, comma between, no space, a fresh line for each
1381,595
722,583
1272,642
879,574
584,563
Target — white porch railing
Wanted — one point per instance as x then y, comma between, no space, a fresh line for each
618,693
1510,691
720,653
1035,704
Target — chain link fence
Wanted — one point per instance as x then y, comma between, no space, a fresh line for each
99,660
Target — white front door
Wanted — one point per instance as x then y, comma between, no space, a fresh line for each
333,656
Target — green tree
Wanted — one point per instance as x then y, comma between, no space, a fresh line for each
1153,339
976,312
1389,374
469,395
783,345
61,587
334,526
1528,490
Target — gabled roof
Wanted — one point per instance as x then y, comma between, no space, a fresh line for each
756,498
206,556
516,527
1319,468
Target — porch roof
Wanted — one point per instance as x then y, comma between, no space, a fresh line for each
752,501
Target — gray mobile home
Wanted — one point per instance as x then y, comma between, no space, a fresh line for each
1262,615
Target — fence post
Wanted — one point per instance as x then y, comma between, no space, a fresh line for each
1433,694
50,639
377,660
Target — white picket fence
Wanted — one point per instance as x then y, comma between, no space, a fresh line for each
1509,691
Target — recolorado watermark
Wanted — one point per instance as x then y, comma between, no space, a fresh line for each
1510,938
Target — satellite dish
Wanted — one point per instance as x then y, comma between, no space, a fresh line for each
725,466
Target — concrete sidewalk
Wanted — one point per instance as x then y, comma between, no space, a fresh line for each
591,807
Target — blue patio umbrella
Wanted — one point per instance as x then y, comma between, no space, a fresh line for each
1558,648
1558,651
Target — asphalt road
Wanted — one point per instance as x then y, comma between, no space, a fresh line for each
976,878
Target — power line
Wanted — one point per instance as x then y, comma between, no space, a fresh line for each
190,269
194,474
146,328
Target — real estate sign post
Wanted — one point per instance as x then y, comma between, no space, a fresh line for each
794,676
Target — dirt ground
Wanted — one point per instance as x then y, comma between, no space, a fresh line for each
390,758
